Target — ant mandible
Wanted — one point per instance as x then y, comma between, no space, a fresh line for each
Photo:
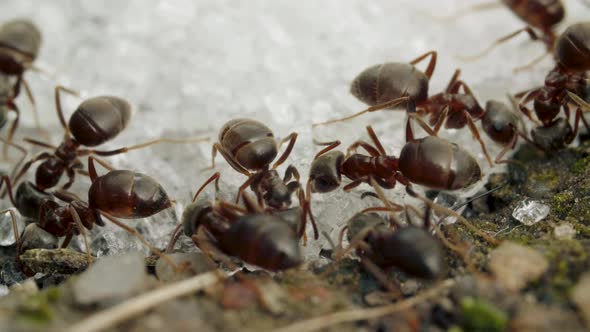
431,161
95,121
387,85
250,147
117,194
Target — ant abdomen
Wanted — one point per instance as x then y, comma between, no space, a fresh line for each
271,243
572,48
388,81
411,249
22,37
250,142
127,195
99,119
438,164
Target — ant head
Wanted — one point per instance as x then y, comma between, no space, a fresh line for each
572,48
49,173
324,172
194,215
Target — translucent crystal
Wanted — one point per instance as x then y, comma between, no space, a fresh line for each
530,212
6,229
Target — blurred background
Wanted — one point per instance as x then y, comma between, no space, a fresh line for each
187,67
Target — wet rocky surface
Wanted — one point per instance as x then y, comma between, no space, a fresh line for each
537,279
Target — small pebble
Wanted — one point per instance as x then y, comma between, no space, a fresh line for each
539,318
580,295
564,231
111,279
515,265
189,263
530,212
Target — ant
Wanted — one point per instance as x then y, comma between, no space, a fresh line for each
20,41
116,194
249,147
566,83
95,121
251,234
541,15
431,161
387,85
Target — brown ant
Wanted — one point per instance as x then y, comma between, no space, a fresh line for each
20,41
431,161
566,83
250,147
95,121
542,15
387,85
116,194
251,234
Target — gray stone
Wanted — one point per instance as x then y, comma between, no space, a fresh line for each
111,279
538,318
35,237
515,265
189,263
581,297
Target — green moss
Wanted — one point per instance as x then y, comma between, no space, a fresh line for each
37,308
480,315
580,166
563,203
548,176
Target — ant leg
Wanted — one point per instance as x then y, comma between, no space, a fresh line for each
6,179
292,138
376,140
441,119
505,150
355,183
421,123
82,230
245,185
21,160
368,147
305,203
467,10
60,114
443,210
14,225
12,106
92,169
68,238
229,159
501,40
291,172
453,80
39,143
83,152
330,146
29,94
306,197
173,239
531,64
581,103
381,277
431,64
475,134
71,177
374,108
134,232
215,177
